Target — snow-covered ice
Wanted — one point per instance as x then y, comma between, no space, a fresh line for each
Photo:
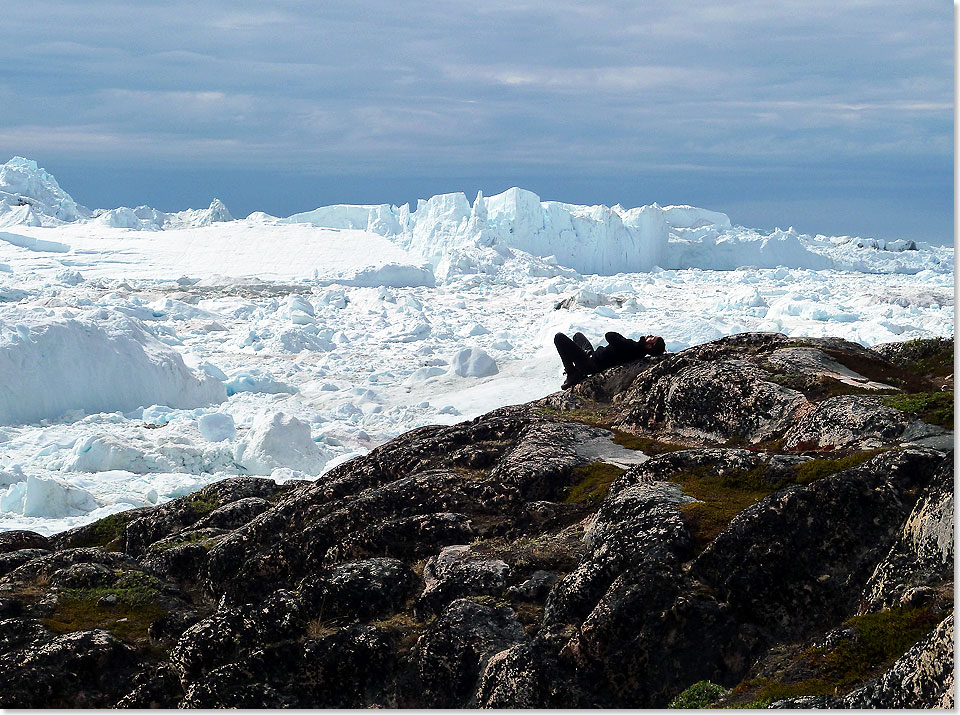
145,354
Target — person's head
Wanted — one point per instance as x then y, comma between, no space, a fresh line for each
654,345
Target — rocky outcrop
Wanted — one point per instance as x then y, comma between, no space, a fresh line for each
754,512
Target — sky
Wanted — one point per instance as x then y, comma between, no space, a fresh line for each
832,117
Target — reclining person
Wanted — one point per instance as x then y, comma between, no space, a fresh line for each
580,359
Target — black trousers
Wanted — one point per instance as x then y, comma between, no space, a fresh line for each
576,355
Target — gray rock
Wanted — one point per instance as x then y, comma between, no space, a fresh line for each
922,554
454,651
457,571
17,539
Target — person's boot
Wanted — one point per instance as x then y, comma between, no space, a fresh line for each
574,377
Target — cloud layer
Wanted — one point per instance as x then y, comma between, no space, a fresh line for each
610,90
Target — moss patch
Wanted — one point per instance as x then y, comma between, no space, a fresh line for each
550,551
404,629
879,370
106,533
592,482
80,609
878,639
201,504
201,536
698,696
603,416
933,407
720,498
647,445
815,469
490,601
592,413
928,357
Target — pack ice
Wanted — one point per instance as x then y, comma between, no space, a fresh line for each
145,353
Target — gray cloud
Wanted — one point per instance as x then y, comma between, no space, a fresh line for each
498,88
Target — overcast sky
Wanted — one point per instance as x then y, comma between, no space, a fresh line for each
835,117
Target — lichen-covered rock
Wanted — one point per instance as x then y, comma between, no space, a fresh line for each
639,524
798,560
14,559
922,555
17,539
169,518
693,402
923,678
83,575
152,689
458,571
538,466
454,651
374,587
849,420
87,669
528,675
234,514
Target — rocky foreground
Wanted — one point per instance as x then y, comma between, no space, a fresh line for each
757,521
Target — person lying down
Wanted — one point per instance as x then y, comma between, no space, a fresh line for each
581,360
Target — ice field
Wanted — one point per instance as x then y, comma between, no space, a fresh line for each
145,354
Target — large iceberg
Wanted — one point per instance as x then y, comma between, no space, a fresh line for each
103,363
31,196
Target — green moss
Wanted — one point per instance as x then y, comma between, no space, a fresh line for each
592,483
698,696
106,533
720,498
878,370
202,504
490,601
127,623
928,356
932,407
881,639
592,413
647,445
768,690
815,469
758,704
878,640
548,551
597,415
131,587
404,629
80,609
190,537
